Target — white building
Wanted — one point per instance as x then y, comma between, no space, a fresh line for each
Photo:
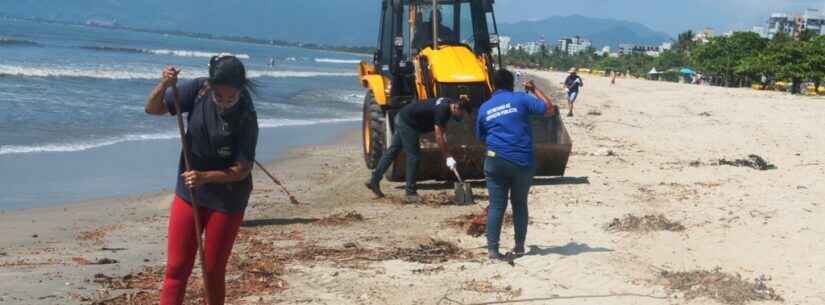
780,23
813,20
627,49
704,36
504,44
761,31
532,48
574,45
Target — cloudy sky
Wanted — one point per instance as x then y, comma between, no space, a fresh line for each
665,15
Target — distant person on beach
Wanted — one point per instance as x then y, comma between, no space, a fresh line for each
572,84
222,135
613,77
504,126
414,120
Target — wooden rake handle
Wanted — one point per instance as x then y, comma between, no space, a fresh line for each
195,212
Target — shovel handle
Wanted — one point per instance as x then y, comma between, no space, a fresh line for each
457,175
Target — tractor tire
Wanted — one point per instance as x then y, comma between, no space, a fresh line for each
374,135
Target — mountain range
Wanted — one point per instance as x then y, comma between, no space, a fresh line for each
601,32
339,22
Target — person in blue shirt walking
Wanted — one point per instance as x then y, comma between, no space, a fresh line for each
504,126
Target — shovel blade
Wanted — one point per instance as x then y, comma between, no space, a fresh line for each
468,192
463,193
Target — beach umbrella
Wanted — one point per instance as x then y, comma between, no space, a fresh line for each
687,71
653,71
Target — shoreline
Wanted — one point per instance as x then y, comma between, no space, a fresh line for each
131,168
261,182
60,244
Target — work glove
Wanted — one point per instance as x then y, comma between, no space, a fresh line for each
451,163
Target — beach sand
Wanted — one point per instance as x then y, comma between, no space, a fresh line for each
639,147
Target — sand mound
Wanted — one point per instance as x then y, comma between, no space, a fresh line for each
647,223
340,219
723,287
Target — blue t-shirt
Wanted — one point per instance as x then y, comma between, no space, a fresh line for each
504,125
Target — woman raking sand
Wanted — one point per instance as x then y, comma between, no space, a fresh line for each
222,136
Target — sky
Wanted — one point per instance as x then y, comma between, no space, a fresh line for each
669,16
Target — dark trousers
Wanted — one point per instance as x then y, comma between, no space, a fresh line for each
406,138
507,180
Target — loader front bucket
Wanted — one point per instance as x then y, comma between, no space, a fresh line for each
551,144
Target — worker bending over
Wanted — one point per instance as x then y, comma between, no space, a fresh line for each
414,120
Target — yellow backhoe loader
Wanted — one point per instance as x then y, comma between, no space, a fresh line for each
442,48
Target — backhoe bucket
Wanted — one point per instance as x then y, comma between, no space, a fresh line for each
551,144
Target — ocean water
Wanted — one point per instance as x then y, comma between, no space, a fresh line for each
72,125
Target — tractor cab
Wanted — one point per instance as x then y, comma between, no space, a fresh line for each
414,33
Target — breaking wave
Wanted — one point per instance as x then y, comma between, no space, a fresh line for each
92,144
179,53
337,61
6,41
83,145
113,74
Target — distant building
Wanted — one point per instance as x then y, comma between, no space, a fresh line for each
813,20
504,44
627,49
704,36
760,30
780,23
793,26
574,45
531,48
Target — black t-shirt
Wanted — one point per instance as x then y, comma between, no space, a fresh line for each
217,141
423,116
573,82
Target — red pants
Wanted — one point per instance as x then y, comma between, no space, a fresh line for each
220,230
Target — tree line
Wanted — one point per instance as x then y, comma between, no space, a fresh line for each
738,60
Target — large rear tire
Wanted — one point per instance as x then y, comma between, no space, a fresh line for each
373,130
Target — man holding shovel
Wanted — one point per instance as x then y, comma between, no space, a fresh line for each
411,122
504,126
